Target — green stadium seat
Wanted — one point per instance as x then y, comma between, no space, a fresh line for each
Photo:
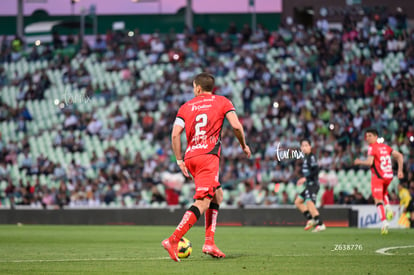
129,202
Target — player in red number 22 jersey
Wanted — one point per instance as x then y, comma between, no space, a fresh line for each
202,118
379,159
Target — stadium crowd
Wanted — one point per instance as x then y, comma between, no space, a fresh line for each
325,84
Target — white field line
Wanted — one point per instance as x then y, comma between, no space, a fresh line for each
384,250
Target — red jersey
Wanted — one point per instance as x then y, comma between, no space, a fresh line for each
202,117
382,166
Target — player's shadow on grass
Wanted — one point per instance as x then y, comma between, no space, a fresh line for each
228,256
236,256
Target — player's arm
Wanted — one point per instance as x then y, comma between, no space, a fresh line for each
400,160
176,144
176,141
301,181
238,131
368,162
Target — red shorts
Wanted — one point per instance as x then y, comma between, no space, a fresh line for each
379,187
205,170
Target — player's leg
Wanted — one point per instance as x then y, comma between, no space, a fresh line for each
299,202
300,205
190,217
388,211
379,203
211,214
378,195
319,225
202,198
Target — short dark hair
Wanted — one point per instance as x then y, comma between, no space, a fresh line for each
206,81
305,140
372,131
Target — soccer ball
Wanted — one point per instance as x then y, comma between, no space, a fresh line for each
184,248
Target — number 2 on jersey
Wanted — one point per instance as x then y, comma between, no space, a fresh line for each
201,120
385,163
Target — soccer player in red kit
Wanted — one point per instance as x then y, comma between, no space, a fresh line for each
379,159
202,118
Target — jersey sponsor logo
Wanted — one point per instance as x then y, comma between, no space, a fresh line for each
388,175
383,151
196,147
202,189
201,107
214,219
377,189
185,219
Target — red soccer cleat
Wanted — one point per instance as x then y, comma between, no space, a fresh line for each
171,248
213,251
311,223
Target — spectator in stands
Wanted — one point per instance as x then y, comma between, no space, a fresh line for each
247,197
325,162
270,197
11,157
357,197
59,172
3,77
279,175
248,94
17,48
26,162
285,198
48,197
4,174
62,196
328,196
393,197
100,44
156,197
110,195
71,121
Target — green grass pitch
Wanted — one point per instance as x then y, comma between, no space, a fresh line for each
30,249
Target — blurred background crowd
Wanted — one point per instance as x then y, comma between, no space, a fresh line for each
88,123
